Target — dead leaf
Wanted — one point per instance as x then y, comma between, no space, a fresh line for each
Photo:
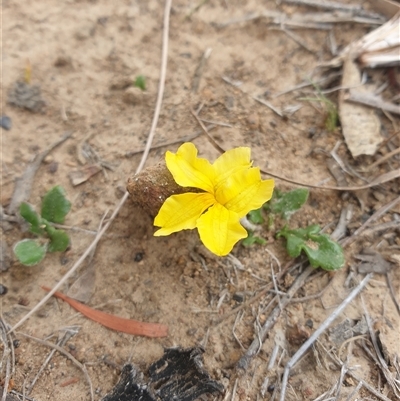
82,289
117,323
360,125
81,175
374,263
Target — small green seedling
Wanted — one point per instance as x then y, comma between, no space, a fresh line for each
286,203
332,119
252,239
140,82
55,207
256,217
319,248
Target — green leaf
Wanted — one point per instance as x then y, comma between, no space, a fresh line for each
59,239
140,82
287,203
29,252
319,248
256,217
55,205
29,214
251,240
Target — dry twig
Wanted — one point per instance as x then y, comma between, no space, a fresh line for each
301,351
65,353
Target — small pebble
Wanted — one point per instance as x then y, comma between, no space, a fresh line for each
139,257
53,167
3,289
5,122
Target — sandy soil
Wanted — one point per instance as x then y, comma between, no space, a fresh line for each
83,54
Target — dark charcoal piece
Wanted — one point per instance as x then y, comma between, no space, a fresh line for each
129,387
178,376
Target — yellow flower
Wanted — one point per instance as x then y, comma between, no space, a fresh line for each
232,188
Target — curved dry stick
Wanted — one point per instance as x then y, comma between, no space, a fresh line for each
139,168
113,322
391,175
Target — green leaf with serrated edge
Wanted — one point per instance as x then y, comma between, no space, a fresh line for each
29,252
29,214
59,239
289,202
55,205
256,217
251,240
140,82
319,248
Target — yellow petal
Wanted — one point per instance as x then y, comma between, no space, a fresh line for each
230,162
219,229
244,191
189,170
181,212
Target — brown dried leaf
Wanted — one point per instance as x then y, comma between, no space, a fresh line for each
81,175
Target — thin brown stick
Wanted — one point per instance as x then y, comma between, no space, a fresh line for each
244,361
65,353
61,342
377,181
303,349
187,138
389,281
375,216
264,291
384,158
139,168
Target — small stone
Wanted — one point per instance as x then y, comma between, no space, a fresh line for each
5,122
53,167
3,289
63,61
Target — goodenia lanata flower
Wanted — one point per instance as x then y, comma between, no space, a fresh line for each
231,188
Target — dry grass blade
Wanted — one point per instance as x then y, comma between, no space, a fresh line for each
382,179
384,158
65,353
7,362
139,168
244,361
373,101
318,332
61,342
375,216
